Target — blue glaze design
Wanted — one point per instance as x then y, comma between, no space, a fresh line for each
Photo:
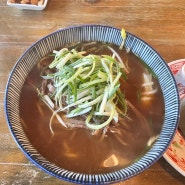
91,33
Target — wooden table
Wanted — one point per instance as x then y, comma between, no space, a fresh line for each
161,23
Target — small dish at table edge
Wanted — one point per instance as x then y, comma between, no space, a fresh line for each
175,154
27,6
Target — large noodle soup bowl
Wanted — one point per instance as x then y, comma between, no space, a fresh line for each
104,34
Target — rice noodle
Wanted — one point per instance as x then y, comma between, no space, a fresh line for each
139,115
148,90
50,105
152,140
119,58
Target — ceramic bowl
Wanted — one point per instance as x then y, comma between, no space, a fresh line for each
175,154
92,33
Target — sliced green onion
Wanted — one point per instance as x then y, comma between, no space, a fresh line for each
100,126
87,85
78,112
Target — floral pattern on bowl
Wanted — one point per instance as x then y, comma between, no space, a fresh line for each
175,154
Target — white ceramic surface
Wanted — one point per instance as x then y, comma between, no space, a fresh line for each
175,154
28,6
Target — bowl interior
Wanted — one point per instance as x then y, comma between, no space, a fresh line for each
83,33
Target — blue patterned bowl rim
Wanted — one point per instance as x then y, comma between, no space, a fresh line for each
103,33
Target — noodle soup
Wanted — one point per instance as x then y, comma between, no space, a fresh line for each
82,150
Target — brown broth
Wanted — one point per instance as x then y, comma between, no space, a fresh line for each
77,149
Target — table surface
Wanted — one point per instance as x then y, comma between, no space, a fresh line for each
160,23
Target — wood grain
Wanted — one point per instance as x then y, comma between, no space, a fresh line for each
160,23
